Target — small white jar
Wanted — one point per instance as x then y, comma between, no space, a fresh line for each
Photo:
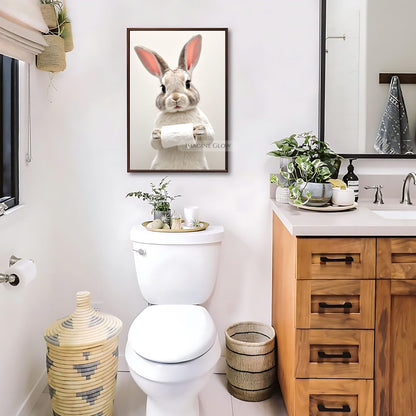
343,197
191,216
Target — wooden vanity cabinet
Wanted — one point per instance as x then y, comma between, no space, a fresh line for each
395,348
344,312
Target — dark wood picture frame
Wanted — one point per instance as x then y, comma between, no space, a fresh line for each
220,144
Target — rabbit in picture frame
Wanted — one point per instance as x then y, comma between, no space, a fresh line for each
178,108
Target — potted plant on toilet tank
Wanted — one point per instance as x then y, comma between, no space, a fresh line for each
158,198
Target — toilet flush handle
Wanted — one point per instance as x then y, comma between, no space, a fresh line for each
141,251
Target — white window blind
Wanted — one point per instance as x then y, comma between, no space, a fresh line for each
21,24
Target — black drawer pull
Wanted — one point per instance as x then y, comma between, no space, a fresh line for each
345,305
323,354
344,409
346,260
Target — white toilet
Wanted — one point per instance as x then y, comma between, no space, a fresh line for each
173,345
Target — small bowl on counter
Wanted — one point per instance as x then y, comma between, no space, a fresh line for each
343,197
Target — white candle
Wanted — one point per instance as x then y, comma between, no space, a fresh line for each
191,216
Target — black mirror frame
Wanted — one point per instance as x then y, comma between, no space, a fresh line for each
321,120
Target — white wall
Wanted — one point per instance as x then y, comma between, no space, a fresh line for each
76,221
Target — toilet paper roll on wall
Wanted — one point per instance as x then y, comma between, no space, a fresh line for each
25,270
177,134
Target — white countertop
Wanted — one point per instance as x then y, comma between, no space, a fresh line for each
357,222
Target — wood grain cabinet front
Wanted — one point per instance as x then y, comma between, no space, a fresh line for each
344,311
335,304
396,258
334,354
336,258
395,350
334,397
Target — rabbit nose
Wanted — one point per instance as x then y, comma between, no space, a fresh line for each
175,97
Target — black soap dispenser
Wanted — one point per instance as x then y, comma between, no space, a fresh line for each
351,179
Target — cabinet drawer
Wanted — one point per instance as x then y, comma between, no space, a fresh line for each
334,397
335,304
336,258
396,258
323,353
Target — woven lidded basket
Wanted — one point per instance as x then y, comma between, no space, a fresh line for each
251,360
82,360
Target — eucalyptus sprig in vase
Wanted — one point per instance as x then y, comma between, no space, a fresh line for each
159,199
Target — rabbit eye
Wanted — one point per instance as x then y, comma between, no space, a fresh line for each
163,89
188,84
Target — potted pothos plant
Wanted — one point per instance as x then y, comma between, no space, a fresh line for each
309,163
308,181
286,149
318,149
158,198
306,144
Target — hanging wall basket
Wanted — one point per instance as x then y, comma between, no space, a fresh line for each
52,59
82,360
67,36
49,15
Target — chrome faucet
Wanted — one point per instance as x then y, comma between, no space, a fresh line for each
405,190
378,197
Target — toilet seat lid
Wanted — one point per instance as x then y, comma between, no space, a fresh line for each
172,333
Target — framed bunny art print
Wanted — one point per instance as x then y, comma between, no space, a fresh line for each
177,99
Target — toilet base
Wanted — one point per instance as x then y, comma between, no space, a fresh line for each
173,389
176,408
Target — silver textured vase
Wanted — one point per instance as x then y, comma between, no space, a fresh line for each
165,216
321,194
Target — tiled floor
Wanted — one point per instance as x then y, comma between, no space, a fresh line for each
214,401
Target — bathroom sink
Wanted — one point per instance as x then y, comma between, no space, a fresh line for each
397,214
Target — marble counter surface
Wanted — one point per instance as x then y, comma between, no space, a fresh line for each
361,221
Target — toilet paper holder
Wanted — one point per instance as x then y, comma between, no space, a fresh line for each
11,278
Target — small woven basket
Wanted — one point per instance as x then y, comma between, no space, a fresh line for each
67,37
82,360
52,58
251,360
49,15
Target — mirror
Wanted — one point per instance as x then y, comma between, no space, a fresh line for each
360,41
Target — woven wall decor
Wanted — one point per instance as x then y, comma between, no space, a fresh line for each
251,360
82,360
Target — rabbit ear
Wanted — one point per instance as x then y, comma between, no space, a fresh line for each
190,54
153,62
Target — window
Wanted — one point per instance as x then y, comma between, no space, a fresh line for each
9,128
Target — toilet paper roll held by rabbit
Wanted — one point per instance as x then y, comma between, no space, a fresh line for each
178,105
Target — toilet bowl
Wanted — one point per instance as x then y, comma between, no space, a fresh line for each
173,363
173,344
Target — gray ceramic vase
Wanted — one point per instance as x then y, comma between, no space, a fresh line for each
321,194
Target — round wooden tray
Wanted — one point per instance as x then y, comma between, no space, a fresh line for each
203,226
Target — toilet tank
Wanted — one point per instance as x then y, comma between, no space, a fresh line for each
176,268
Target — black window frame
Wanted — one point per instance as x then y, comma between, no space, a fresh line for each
9,128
